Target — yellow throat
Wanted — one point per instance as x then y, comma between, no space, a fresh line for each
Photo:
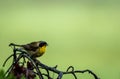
42,50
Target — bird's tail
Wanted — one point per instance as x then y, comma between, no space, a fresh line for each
12,44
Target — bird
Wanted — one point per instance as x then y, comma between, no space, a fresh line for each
34,49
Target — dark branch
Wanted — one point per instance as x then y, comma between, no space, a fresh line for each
34,64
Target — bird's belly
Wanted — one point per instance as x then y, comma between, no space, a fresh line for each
38,54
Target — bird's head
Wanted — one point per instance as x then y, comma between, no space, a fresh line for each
42,43
42,46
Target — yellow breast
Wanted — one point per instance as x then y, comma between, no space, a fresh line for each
41,51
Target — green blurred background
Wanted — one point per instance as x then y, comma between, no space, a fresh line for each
85,33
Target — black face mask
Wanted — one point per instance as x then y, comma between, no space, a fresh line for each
43,43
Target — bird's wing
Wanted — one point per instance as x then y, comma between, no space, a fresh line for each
31,46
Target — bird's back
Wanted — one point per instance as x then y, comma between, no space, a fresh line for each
31,46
